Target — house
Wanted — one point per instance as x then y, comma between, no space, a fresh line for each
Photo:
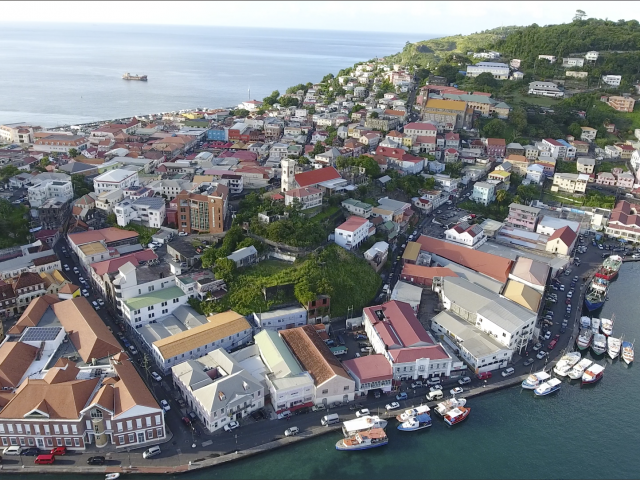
44,188
496,147
500,71
454,112
395,332
570,182
353,232
545,89
621,104
319,178
370,372
424,275
625,150
499,175
331,381
572,62
465,234
625,180
624,221
281,318
218,388
550,58
562,241
355,207
585,164
605,178
581,147
612,80
535,173
306,197
244,257
549,225
115,179
60,143
522,216
377,255
483,192
150,211
588,134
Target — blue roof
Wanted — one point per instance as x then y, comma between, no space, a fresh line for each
564,142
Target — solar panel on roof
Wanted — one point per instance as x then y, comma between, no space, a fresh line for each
40,334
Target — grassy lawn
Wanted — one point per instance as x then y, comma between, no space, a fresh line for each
608,166
267,268
548,196
328,211
531,99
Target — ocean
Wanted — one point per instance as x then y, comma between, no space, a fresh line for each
68,74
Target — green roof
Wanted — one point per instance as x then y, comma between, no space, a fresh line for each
152,298
355,203
276,354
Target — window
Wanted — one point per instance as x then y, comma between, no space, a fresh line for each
158,419
22,442
346,387
132,438
67,442
76,442
31,442
151,307
4,441
148,421
149,434
56,429
120,439
163,304
138,423
159,432
325,391
59,442
95,413
65,429
119,426
27,428
74,429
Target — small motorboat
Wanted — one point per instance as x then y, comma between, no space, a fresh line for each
112,476
566,363
546,388
592,374
613,347
535,379
627,352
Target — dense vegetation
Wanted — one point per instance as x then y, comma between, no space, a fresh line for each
14,224
349,280
144,233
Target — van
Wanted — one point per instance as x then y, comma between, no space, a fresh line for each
435,395
330,419
152,452
13,450
484,376
47,459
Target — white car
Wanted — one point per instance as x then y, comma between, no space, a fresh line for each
66,268
508,371
85,293
101,302
290,432
231,426
435,387
456,391
182,234
541,355
363,413
165,405
392,406
156,377
285,414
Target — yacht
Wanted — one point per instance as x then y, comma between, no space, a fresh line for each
585,322
457,415
412,412
443,407
566,363
364,440
546,388
627,352
577,371
416,423
599,345
535,379
592,374
613,347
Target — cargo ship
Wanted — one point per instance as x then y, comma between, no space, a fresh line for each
596,294
128,76
609,268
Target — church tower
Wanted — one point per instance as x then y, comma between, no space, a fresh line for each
288,174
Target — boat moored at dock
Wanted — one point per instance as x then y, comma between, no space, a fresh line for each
546,388
412,412
444,407
609,268
613,347
606,325
584,339
596,294
599,344
627,352
577,371
585,322
457,415
595,325
535,379
566,363
416,423
592,374
376,437
351,427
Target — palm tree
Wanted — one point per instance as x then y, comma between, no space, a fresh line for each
501,196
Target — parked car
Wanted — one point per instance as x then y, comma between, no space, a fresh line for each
156,377
508,371
528,362
464,380
416,384
435,387
401,396
97,460
433,381
537,346
319,407
58,451
392,406
363,412
289,432
133,349
12,450
182,234
285,414
165,405
552,344
232,425
31,452
484,375
152,452
456,391
541,355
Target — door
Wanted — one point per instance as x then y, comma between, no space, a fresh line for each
141,437
40,442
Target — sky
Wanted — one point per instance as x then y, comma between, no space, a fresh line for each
433,18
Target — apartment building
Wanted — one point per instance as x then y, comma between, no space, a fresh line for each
622,104
522,216
198,213
150,211
305,197
570,182
353,232
60,143
114,179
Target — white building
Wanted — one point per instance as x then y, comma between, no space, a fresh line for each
153,303
499,71
545,89
107,200
151,211
570,182
281,318
353,232
113,179
44,189
306,197
572,62
465,234
591,56
484,193
613,80
218,389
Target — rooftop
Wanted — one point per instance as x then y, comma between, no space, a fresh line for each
397,325
154,297
352,224
478,343
370,368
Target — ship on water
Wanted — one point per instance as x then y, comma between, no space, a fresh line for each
596,294
609,268
128,76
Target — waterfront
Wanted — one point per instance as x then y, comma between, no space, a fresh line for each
62,74
578,432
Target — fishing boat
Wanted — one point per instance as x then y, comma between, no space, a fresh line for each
577,371
595,325
613,347
416,423
363,440
609,268
627,352
596,294
443,407
585,322
599,344
566,363
457,415
535,379
412,412
584,339
606,325
592,374
546,388
351,427
140,78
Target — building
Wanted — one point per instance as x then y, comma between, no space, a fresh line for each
612,80
454,112
621,104
624,221
588,134
496,147
353,232
218,389
150,211
370,372
407,293
115,179
522,216
202,213
570,182
572,62
535,173
550,58
500,71
591,56
465,234
109,237
424,275
60,143
282,318
484,193
530,272
358,208
331,381
306,197
549,225
244,257
395,332
585,165
44,189
151,305
562,241
545,89
314,178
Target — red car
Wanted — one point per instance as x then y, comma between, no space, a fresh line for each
58,451
552,344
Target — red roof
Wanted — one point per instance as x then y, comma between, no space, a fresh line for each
112,265
625,213
370,368
110,234
496,141
565,234
277,196
302,192
420,271
420,126
399,325
313,177
491,265
353,223
409,355
452,136
553,142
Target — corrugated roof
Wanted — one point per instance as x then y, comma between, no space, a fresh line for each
352,224
479,344
129,390
406,355
399,325
33,313
565,234
370,368
276,354
523,295
446,104
411,251
420,271
316,176
110,234
533,272
154,297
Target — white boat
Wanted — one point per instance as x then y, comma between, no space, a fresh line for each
599,345
364,440
112,476
627,352
585,322
595,325
412,412
577,371
566,363
592,374
606,325
546,388
444,407
351,427
613,347
535,379
416,423
584,339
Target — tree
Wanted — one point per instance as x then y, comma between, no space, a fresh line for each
240,112
80,186
112,220
485,79
447,71
9,171
374,115
224,269
518,119
495,128
271,99
501,196
580,15
73,152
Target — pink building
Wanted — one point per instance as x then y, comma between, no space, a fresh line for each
625,180
522,216
496,147
606,178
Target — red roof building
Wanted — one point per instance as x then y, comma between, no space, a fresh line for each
313,177
370,372
421,275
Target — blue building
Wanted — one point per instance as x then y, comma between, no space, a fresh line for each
218,134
